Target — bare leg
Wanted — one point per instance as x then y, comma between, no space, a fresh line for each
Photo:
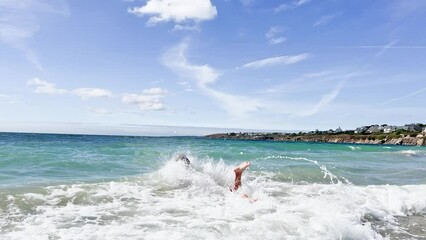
238,173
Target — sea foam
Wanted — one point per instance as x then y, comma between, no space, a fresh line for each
195,202
413,153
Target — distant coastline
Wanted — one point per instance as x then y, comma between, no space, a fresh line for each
409,134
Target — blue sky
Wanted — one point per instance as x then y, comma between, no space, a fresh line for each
278,64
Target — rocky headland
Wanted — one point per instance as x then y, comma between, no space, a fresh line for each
413,139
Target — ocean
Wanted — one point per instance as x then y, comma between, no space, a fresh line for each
116,187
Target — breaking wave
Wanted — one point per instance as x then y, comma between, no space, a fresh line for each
195,203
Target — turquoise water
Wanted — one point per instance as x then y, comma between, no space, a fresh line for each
42,159
111,187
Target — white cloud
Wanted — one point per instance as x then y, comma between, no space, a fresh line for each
19,23
87,93
155,91
292,5
274,35
45,87
175,59
282,60
101,111
150,99
9,98
203,75
247,2
177,11
301,2
194,27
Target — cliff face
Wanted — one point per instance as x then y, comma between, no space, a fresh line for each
355,139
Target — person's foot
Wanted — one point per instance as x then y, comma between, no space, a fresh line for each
240,168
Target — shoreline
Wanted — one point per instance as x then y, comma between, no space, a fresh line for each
419,140
372,139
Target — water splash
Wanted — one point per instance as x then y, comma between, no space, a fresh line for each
354,148
333,178
144,206
412,153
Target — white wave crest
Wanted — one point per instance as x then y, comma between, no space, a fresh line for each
412,153
327,174
353,148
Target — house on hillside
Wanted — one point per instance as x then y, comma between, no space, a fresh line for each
412,127
338,130
389,129
424,130
373,129
360,130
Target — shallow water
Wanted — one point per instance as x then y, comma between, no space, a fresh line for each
105,187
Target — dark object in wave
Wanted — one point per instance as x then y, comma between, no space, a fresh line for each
184,158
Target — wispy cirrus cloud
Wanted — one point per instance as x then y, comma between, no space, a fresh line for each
274,35
329,97
175,59
203,76
324,20
316,74
281,60
325,100
309,85
19,23
385,48
312,82
45,87
247,2
402,9
391,45
150,99
291,5
235,105
405,96
9,98
101,111
177,11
